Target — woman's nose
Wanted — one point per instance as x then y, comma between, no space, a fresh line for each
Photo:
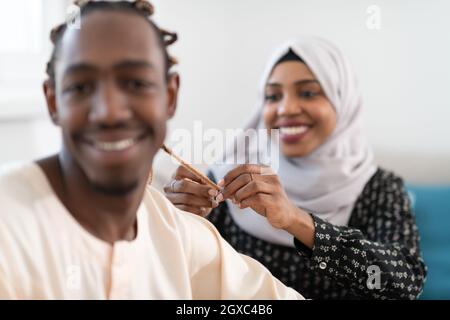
289,106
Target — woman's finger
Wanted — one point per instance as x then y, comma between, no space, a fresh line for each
239,182
258,202
240,170
186,185
191,200
182,173
252,188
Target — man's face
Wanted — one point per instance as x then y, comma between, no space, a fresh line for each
111,98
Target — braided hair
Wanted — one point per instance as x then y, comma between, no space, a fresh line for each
139,7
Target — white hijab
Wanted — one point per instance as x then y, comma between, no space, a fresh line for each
328,181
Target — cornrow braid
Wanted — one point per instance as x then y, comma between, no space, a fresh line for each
140,7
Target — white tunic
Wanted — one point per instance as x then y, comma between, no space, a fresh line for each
46,254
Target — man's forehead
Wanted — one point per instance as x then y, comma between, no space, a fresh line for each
107,38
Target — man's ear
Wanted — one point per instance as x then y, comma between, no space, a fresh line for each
50,97
173,86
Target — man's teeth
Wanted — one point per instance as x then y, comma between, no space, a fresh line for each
115,146
293,130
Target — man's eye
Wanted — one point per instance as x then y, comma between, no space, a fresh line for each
136,84
272,97
80,88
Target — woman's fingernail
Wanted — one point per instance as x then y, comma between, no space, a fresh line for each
219,198
234,200
221,183
212,192
215,204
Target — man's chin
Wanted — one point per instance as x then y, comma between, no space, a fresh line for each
117,180
115,189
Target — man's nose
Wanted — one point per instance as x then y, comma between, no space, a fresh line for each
109,105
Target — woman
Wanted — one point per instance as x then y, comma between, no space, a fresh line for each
329,223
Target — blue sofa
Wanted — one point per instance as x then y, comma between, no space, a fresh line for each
432,208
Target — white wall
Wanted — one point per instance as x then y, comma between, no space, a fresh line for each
404,71
404,68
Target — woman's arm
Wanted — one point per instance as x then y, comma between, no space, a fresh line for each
386,239
389,245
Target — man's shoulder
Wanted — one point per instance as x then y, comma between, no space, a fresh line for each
199,238
182,220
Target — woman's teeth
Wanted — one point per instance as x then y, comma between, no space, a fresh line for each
293,131
116,145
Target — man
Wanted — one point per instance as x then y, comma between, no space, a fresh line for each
83,224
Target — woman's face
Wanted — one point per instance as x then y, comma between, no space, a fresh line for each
296,104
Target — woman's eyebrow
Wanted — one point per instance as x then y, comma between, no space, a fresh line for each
305,81
300,82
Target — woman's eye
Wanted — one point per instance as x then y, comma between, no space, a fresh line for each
308,94
272,97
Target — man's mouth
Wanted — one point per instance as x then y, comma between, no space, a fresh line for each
110,146
114,142
114,148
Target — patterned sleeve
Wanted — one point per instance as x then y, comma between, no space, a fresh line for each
379,259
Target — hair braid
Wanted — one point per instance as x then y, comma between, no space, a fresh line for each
142,7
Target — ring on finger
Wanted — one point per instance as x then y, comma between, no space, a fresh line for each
172,185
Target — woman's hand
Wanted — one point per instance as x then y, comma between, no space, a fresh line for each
189,193
259,188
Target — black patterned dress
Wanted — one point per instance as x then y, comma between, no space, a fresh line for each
377,256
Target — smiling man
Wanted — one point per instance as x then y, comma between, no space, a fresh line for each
83,224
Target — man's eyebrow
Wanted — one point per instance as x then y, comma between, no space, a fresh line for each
79,67
126,64
300,82
133,64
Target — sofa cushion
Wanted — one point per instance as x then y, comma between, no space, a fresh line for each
432,208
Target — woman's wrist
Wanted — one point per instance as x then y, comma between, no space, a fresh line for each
302,227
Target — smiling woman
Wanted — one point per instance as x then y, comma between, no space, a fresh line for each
301,129
327,221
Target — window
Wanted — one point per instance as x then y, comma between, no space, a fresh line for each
24,50
21,27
